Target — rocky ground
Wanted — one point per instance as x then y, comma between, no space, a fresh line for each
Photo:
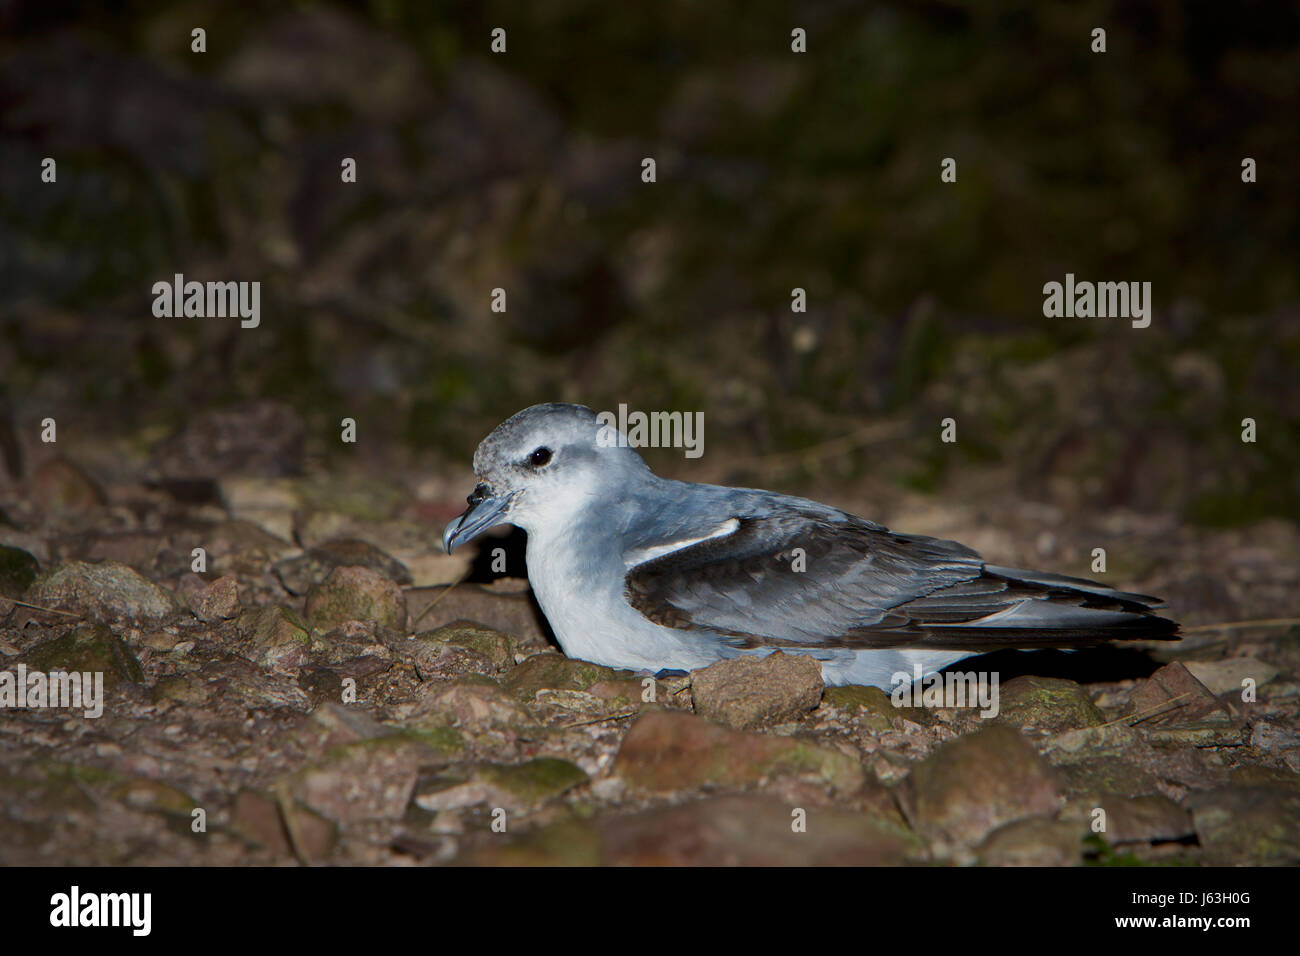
325,693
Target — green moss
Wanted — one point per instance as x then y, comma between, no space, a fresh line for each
444,739
871,705
496,646
535,780
547,670
56,770
91,648
1097,852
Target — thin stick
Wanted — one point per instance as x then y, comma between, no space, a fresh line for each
37,607
429,607
599,720
1134,719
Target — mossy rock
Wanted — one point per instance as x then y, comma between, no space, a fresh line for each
555,672
90,648
536,780
444,739
870,705
107,589
275,637
496,646
1047,703
356,594
154,795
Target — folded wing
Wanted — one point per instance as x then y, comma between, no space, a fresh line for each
794,576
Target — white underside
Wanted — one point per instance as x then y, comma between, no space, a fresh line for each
592,621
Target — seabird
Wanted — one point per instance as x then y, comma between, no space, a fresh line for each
646,573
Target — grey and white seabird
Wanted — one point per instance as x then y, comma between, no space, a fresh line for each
641,572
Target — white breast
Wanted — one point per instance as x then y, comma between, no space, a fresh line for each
584,604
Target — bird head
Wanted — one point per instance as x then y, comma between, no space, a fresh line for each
544,463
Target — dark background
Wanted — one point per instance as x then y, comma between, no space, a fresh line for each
775,170
522,171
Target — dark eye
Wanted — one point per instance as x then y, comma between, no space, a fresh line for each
539,457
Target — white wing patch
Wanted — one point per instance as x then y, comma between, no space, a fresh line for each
641,555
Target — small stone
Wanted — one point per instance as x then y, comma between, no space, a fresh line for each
620,693
356,594
368,780
238,680
1152,818
59,486
274,637
354,649
1035,841
217,601
977,783
1046,703
160,641
1108,774
554,672
106,590
749,692
1248,824
870,705
154,795
1173,707
439,661
495,647
299,573
1226,676
1086,742
189,690
509,611
268,503
1273,739
433,570
514,787
669,750
332,725
321,685
243,549
314,836
470,705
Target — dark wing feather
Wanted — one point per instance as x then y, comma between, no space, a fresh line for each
865,587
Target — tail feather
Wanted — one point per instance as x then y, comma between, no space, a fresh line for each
1010,608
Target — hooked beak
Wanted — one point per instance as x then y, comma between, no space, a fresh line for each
485,510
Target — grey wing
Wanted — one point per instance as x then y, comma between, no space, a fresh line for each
794,578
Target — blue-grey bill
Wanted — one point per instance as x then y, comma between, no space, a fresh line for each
478,517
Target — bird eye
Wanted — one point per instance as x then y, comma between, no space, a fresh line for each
539,457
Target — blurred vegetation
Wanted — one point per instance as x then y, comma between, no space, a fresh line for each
775,171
